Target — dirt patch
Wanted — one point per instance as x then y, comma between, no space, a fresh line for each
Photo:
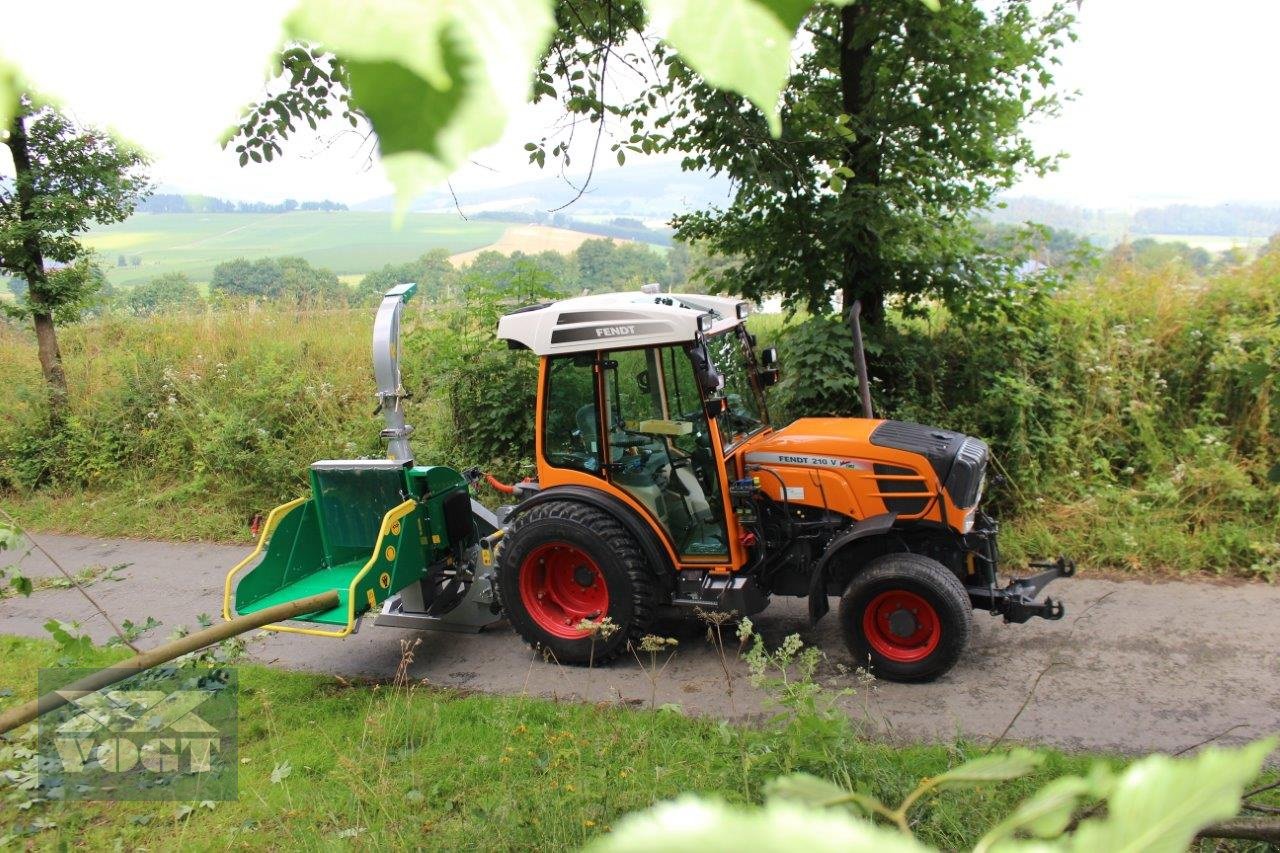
531,239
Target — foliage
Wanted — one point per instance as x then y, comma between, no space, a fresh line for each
289,279
76,289
222,411
78,176
1158,804
1135,400
1131,414
66,178
897,124
171,292
486,392
429,271
437,83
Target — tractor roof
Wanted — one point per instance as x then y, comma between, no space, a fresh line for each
618,321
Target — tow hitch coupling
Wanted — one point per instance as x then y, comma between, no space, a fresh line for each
1016,602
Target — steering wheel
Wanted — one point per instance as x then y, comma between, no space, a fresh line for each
627,438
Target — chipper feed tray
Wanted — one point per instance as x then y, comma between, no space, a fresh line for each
369,529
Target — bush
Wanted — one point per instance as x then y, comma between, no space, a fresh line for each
166,293
1131,414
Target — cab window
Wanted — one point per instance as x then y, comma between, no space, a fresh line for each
744,413
571,419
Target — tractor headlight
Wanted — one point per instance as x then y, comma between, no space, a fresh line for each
742,309
968,469
705,322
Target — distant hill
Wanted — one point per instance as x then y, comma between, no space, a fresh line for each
194,203
147,245
646,191
1243,222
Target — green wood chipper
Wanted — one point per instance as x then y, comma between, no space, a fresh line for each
381,533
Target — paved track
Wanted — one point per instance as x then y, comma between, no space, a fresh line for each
1135,666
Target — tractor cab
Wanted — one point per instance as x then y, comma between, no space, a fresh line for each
644,396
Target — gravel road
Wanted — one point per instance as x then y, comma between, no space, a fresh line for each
1135,666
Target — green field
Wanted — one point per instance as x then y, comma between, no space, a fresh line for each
1208,242
347,242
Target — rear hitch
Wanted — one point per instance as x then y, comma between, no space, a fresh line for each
1016,602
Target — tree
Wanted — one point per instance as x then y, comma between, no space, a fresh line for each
261,278
431,271
171,292
289,278
66,178
898,123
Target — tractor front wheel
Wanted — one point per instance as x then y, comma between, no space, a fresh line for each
563,569
906,617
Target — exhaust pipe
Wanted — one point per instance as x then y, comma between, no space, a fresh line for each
860,357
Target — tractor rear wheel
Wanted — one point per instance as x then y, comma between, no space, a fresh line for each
564,567
907,617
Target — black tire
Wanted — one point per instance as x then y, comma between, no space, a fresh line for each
628,578
923,643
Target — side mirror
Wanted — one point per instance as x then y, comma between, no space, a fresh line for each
769,370
709,379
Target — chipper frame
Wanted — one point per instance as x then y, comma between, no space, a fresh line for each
375,531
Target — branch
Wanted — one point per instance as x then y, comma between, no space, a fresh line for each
1245,828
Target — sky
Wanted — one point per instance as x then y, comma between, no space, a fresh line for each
1177,103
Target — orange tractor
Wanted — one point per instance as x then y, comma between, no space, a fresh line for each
661,484
661,487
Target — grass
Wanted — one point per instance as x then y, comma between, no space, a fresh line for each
412,766
1209,242
347,242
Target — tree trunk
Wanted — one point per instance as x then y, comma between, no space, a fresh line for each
51,362
32,266
862,274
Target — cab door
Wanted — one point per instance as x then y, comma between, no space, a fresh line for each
661,450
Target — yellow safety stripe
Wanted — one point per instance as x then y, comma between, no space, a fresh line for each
273,519
393,515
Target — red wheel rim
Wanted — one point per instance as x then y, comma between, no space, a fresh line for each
901,626
560,586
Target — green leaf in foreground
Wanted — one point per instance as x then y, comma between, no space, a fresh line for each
1159,803
436,80
740,45
1047,813
693,825
990,768
805,788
